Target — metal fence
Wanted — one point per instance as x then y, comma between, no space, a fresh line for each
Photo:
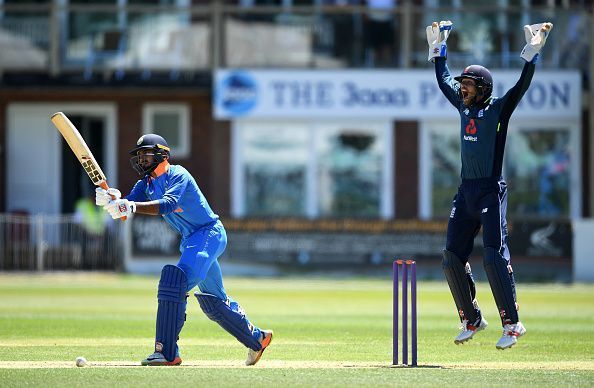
57,242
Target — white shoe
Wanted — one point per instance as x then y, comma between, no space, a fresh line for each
157,359
510,336
468,330
253,355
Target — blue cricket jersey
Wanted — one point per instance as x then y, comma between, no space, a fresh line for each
484,125
181,203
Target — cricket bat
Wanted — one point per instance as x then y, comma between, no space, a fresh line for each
81,150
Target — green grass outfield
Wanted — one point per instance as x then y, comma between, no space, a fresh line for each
328,332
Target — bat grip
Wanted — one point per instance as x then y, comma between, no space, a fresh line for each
105,187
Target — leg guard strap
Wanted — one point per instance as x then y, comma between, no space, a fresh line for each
171,311
233,320
461,285
501,279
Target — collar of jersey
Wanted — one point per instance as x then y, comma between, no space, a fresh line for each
162,168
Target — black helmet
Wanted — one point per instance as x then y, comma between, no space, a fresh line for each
152,142
482,76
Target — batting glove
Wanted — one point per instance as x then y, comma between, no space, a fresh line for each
536,37
437,35
120,208
103,197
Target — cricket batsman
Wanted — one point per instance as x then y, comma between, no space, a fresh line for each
481,199
170,191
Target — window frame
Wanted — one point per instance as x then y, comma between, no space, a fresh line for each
182,150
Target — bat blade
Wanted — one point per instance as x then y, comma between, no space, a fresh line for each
80,149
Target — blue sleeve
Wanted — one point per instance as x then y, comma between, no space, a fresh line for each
138,192
445,82
176,188
512,98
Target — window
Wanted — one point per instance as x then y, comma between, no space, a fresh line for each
276,157
445,167
312,170
349,169
538,170
537,167
172,121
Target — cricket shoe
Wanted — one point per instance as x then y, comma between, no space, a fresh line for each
157,359
510,336
468,330
254,355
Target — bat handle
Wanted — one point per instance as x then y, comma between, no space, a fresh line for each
104,186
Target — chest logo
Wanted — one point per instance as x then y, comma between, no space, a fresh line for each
480,113
470,130
471,127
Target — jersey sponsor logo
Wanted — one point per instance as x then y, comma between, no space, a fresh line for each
453,212
485,210
471,127
480,113
470,130
466,111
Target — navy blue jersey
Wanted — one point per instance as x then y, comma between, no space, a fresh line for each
483,129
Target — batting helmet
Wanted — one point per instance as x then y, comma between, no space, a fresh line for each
155,143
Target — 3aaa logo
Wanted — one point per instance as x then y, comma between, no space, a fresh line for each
471,127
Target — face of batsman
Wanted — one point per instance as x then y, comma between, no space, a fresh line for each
150,151
146,159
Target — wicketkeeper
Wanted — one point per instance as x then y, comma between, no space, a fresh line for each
171,192
481,199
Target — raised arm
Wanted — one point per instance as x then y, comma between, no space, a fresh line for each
512,98
437,35
536,37
445,81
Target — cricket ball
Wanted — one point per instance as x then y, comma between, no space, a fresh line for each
81,361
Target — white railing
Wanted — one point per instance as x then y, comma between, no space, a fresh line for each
58,242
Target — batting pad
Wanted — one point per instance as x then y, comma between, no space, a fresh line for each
171,312
234,321
502,284
461,285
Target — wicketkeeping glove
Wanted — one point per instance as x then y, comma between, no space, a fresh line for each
103,197
536,37
437,34
120,208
